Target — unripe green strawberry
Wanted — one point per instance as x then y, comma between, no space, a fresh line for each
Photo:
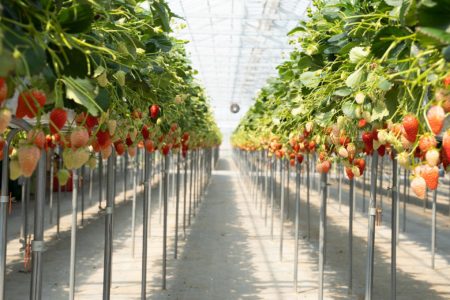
112,125
102,79
403,160
92,162
120,77
14,169
63,176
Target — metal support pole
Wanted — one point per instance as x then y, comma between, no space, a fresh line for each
24,213
322,232
405,185
82,194
185,194
288,183
371,233
133,209
394,229
282,210
145,213
100,181
273,169
433,229
109,227
297,220
91,174
340,186
177,203
381,184
364,193
51,188
149,195
73,236
266,186
350,236
166,192
37,245
58,197
125,177
190,184
308,219
161,172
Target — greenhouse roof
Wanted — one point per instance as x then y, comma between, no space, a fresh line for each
235,45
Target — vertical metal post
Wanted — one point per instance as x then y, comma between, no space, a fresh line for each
190,184
24,213
364,193
340,185
125,177
433,229
350,236
394,229
166,191
322,232
297,220
100,181
308,219
133,209
185,160
266,185
82,193
58,197
51,188
381,184
273,170
109,227
145,210
288,190
283,182
91,174
161,175
73,236
177,203
149,195
37,245
405,185
371,233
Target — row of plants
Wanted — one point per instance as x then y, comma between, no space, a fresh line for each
92,75
365,76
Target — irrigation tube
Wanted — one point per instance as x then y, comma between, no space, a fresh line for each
394,228
73,236
371,233
322,232
297,217
37,245
166,192
4,199
145,210
350,235
109,226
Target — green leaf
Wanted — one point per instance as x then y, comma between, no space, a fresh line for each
433,36
394,2
76,18
81,91
7,63
356,78
299,28
348,108
310,79
158,43
103,99
446,53
161,12
379,111
434,13
384,84
385,37
342,92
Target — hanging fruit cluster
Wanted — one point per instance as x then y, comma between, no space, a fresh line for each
367,77
93,75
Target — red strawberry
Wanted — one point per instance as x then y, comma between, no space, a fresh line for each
28,156
3,90
411,126
149,146
361,164
362,123
58,118
29,103
49,141
120,148
185,137
154,111
5,119
323,167
418,185
37,137
447,81
431,176
103,138
129,141
349,173
165,149
145,132
436,117
91,121
427,142
300,158
79,137
381,150
446,143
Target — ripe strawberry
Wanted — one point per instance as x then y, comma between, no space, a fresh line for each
381,150
136,114
154,111
447,81
145,132
411,126
63,176
120,148
29,103
166,149
418,185
49,141
3,90
149,146
431,176
58,118
361,164
300,158
426,142
132,151
129,141
446,143
91,121
37,137
436,117
362,123
173,127
28,156
14,169
432,157
349,172
323,167
79,137
5,119
103,139
185,137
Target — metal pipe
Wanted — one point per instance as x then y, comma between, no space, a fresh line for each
190,185
371,229
100,180
340,186
266,186
73,236
145,213
37,245
149,196
185,193
364,193
308,219
297,220
405,185
177,204
322,233
82,194
282,212
161,171
51,188
58,197
109,227
166,192
273,167
125,177
433,230
350,236
394,228
133,209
